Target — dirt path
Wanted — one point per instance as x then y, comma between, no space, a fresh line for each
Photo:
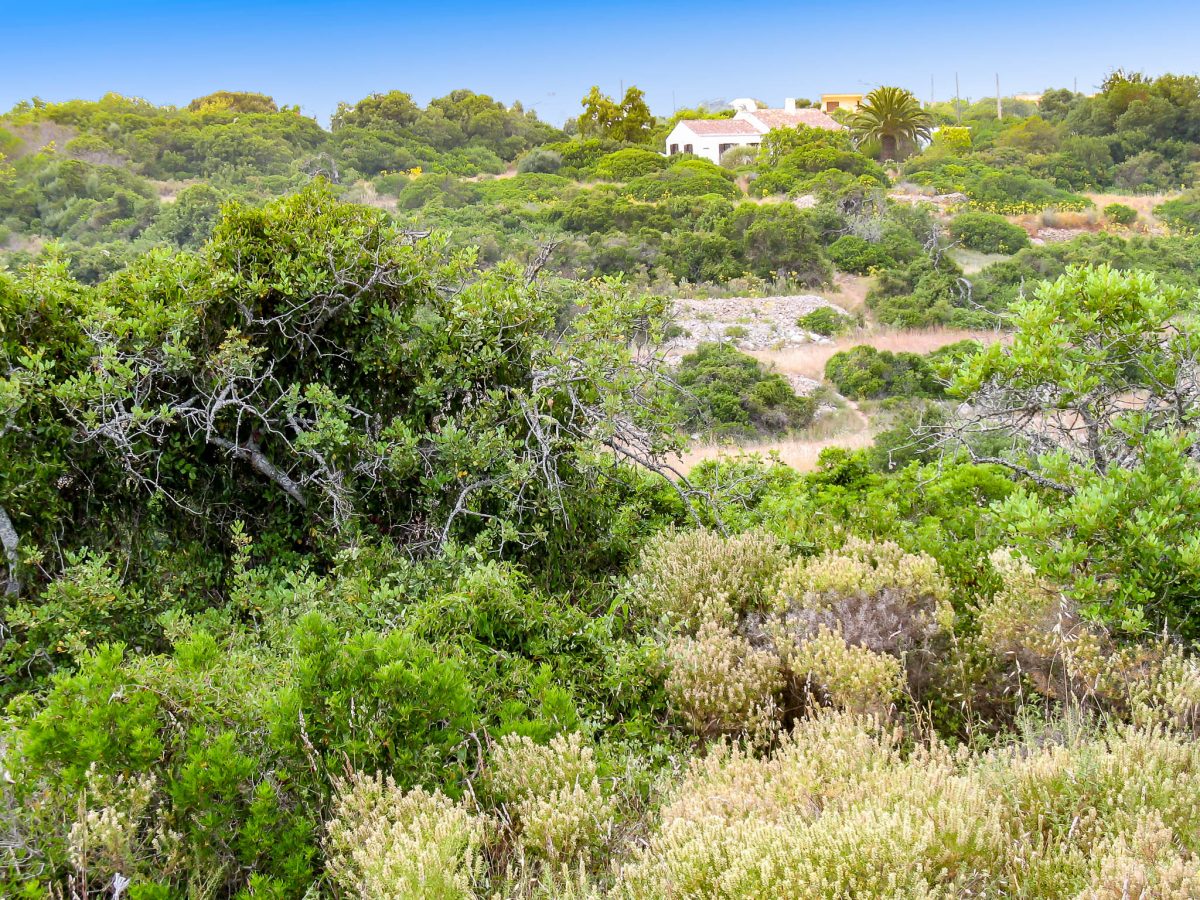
848,428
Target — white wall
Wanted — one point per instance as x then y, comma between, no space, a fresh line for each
707,146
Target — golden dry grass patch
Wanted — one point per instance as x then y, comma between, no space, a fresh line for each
810,359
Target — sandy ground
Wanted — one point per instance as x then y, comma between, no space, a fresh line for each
848,428
809,360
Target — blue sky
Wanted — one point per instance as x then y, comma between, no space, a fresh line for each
548,54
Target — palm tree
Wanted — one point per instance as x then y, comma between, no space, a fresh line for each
892,117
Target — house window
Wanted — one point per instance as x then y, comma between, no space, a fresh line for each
674,149
723,147
831,106
687,148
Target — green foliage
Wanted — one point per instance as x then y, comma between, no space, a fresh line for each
987,233
696,178
864,373
234,101
540,160
1006,191
1125,541
893,118
630,163
1120,214
1084,344
851,253
925,292
628,121
1182,213
314,528
825,320
795,160
727,393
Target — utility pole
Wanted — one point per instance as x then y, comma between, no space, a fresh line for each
999,107
957,100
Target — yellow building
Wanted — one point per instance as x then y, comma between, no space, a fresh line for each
850,102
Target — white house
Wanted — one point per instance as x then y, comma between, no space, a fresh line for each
710,138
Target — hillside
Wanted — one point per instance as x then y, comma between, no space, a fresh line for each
375,521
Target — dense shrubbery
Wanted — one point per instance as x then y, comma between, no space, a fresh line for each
1182,213
339,559
996,190
807,159
1120,214
987,233
851,253
1176,260
928,291
863,372
826,321
727,393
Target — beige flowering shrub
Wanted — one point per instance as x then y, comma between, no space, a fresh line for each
1039,631
692,577
553,795
836,811
1168,693
874,593
1036,627
384,843
839,810
851,678
117,828
718,683
1144,864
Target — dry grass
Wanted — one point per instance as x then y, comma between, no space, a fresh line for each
1143,203
846,427
810,359
850,291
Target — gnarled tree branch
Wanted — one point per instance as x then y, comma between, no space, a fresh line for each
258,461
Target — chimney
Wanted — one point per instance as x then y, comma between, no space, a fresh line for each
789,104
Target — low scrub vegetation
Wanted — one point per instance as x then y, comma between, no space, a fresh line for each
346,550
726,393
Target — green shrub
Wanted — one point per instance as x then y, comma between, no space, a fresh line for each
729,393
1182,213
1120,214
541,161
825,320
987,232
863,373
629,163
851,253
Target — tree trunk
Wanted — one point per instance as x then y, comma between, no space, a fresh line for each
10,539
890,146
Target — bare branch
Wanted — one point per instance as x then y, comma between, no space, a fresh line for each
259,462
9,539
539,262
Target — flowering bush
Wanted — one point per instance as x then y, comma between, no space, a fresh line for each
384,843
553,796
720,684
692,577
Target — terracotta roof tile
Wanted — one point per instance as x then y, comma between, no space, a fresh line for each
720,126
782,118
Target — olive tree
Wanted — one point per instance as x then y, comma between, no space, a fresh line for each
315,354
